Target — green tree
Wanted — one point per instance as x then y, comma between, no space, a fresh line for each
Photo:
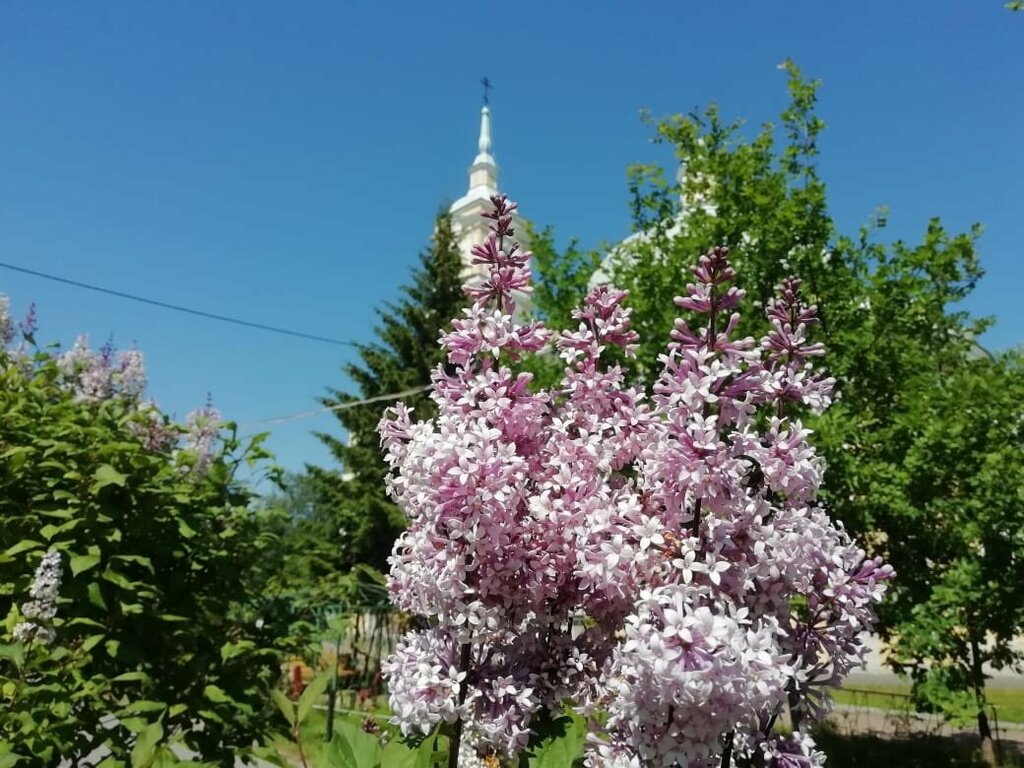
960,609
154,637
355,519
891,314
561,280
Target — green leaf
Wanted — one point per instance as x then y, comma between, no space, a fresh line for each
109,574
365,748
145,745
91,642
106,475
216,695
286,705
231,650
131,677
397,755
560,742
145,562
25,545
95,595
143,706
81,563
343,752
313,692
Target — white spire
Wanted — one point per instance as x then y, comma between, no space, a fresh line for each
469,226
483,174
484,145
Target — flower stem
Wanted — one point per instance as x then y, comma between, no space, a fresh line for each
456,740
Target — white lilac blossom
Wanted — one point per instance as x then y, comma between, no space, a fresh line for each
40,611
661,561
7,326
130,376
202,426
100,375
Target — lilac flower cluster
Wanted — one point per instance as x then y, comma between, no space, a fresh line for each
7,325
662,562
202,428
152,428
40,611
99,375
10,330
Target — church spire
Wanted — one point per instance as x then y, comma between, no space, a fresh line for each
483,174
468,224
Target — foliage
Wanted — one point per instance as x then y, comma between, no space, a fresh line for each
355,743
963,606
149,525
353,521
562,280
664,562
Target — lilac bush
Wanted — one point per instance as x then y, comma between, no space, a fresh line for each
658,563
108,374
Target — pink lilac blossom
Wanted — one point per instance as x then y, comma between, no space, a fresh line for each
661,561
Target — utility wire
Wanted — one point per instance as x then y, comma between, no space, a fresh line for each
177,308
223,318
339,407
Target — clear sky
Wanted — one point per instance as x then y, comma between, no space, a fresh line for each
283,162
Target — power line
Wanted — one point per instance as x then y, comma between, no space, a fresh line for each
178,308
339,407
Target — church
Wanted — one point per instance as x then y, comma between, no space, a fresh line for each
470,227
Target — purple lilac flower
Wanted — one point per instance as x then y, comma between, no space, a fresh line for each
152,429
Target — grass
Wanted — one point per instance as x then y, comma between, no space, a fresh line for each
1009,702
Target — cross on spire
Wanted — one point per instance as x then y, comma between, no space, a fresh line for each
486,83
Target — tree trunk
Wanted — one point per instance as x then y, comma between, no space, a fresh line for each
988,747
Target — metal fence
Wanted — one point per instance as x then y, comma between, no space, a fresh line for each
865,712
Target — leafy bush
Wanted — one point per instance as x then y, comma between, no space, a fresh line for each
158,552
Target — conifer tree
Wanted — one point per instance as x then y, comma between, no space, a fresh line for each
353,517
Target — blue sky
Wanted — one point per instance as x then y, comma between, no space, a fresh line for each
282,162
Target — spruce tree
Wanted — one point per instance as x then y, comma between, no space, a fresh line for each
357,521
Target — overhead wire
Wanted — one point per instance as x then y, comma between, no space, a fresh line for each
339,407
224,318
178,307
